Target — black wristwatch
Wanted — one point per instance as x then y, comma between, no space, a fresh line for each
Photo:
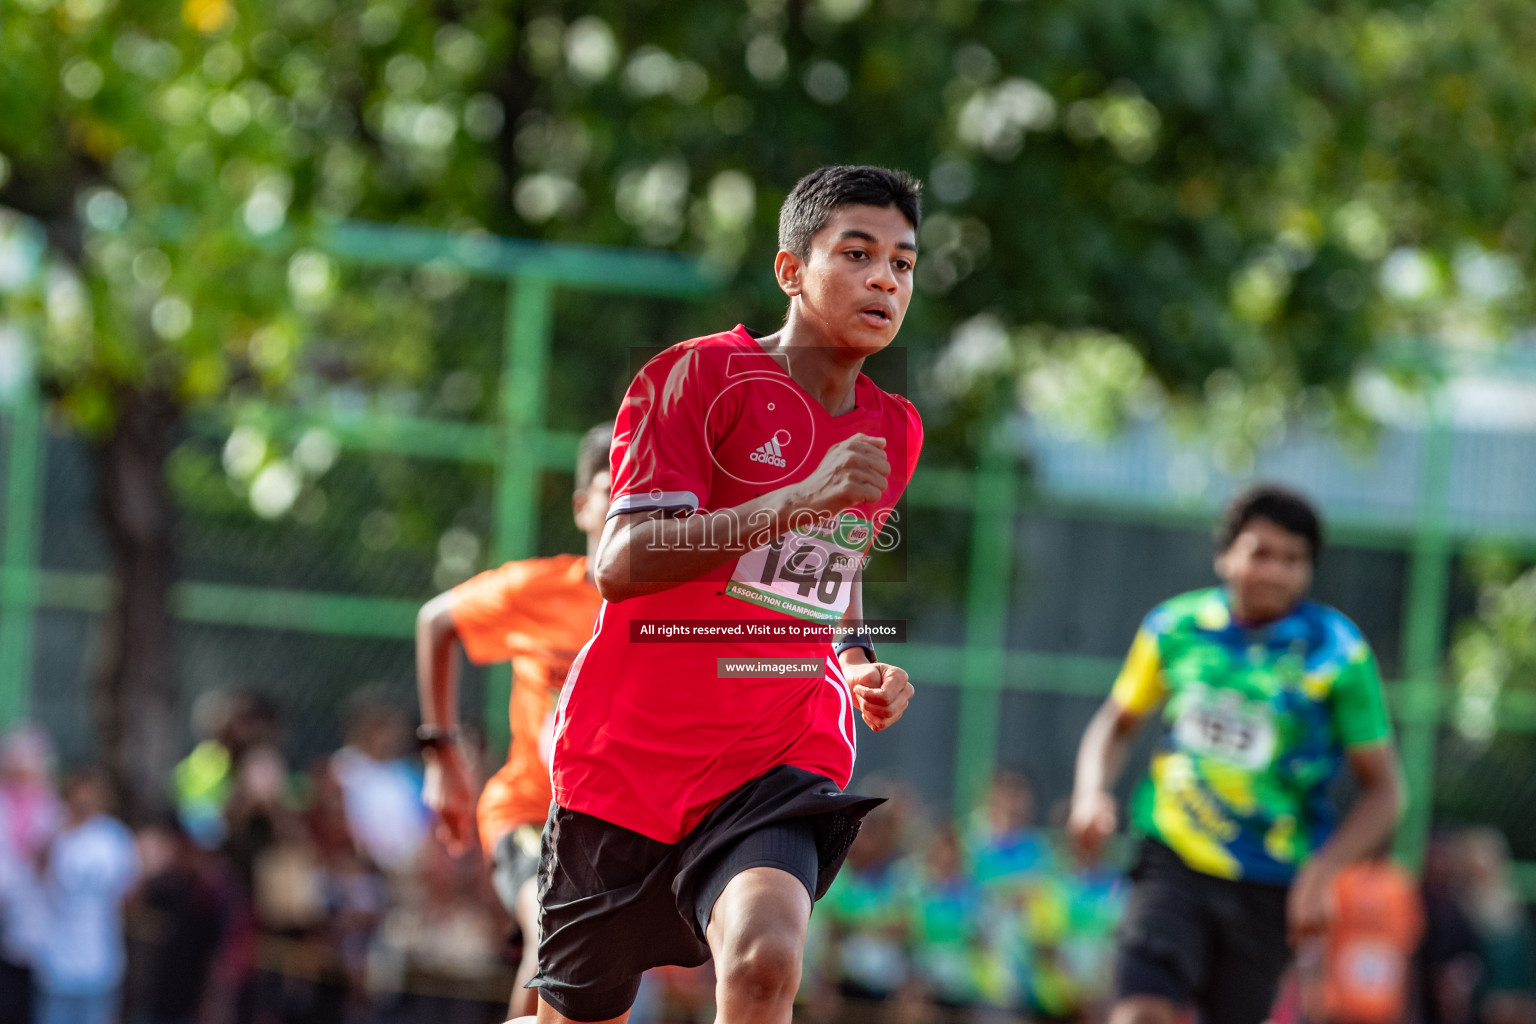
435,737
859,639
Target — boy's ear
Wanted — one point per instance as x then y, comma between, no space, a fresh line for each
788,268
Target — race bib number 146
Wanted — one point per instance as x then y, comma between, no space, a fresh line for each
805,574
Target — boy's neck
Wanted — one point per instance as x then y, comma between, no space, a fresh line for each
821,365
1247,619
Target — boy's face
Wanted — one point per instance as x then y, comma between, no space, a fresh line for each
1268,570
856,280
86,797
1011,806
590,507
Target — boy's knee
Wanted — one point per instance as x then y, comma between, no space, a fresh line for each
764,968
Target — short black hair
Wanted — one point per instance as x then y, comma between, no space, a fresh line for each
1286,508
810,203
592,454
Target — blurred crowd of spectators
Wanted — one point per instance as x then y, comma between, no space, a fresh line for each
271,894
265,895
987,913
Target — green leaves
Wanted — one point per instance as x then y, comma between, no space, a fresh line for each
1258,189
1494,658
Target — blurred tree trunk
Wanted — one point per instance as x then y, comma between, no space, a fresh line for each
135,683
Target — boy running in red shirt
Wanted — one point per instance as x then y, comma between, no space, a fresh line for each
698,811
535,613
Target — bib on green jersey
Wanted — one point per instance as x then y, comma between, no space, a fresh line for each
1257,721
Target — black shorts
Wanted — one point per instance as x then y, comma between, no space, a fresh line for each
1211,943
514,860
614,903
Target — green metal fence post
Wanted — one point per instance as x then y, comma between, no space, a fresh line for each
523,386
18,555
524,383
1424,638
986,621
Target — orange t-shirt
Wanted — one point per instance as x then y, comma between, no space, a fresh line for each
1369,949
538,614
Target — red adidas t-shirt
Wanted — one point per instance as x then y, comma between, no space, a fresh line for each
647,736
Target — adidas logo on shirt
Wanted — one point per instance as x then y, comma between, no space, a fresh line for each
770,454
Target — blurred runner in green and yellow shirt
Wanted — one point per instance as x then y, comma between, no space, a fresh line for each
1263,695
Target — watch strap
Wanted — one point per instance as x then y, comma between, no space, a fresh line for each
857,639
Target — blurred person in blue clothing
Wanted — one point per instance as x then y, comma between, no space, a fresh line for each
1099,893
1005,846
91,866
946,909
1009,859
865,915
381,789
1069,920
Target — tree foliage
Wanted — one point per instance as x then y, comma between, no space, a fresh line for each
1494,657
1258,188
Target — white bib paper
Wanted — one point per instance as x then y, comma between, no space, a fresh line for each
805,574
1229,729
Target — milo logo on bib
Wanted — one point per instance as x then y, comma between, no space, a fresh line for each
805,573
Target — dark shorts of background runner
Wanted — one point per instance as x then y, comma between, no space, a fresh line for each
1201,941
514,860
615,903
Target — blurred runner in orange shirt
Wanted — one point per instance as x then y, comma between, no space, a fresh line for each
1366,956
537,613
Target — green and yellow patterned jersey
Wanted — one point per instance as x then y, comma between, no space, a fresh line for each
1257,722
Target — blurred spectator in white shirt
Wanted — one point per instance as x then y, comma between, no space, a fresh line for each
91,865
381,790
